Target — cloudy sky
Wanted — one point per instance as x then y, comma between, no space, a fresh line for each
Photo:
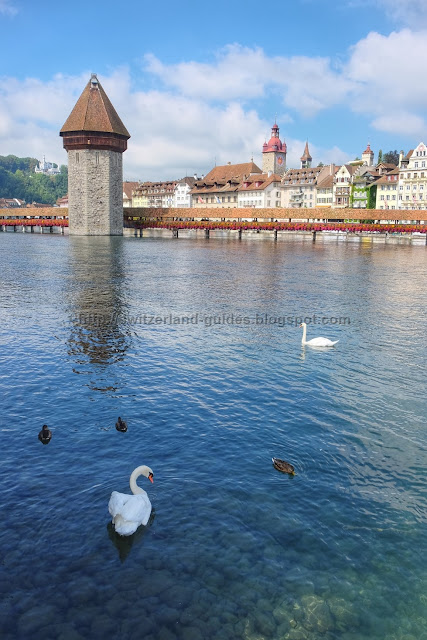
199,84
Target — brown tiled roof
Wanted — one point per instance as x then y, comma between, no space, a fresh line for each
228,171
93,111
385,179
128,187
263,180
226,178
301,175
326,182
351,168
387,165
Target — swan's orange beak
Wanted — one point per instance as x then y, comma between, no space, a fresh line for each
150,477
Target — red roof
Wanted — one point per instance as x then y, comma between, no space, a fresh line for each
274,144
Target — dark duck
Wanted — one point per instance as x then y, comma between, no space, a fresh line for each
45,434
121,425
284,467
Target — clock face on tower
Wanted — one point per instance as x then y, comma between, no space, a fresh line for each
280,160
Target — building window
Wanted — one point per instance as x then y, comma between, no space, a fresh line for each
77,158
96,157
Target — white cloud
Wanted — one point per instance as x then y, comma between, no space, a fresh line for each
7,8
387,74
203,113
403,123
306,84
411,13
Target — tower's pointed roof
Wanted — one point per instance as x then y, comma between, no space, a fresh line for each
306,155
93,111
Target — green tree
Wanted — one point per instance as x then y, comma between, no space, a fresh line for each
391,157
380,156
26,185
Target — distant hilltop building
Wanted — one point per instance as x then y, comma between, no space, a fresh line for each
48,168
95,139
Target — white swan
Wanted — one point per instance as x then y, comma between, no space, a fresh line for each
315,342
130,511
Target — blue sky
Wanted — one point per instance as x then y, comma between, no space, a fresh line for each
198,83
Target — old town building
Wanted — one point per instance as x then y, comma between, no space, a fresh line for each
299,187
219,188
413,179
182,194
260,190
274,154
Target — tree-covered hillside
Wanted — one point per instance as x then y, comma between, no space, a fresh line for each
18,180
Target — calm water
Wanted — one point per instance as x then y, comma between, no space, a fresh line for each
234,550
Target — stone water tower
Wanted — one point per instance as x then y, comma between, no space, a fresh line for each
95,139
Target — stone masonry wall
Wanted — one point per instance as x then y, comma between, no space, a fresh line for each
95,192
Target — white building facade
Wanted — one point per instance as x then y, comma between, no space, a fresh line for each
413,180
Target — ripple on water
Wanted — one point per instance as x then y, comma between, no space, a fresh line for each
234,549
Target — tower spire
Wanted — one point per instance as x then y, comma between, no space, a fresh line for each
306,157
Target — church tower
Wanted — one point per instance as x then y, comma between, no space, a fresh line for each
368,156
306,158
274,154
95,139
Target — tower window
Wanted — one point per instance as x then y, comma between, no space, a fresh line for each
97,157
77,158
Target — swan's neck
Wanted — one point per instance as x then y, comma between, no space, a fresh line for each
139,471
304,334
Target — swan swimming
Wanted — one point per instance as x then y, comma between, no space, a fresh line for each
315,342
130,511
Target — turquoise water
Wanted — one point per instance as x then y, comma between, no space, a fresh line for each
234,549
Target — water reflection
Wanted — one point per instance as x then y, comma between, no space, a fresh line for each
124,544
99,331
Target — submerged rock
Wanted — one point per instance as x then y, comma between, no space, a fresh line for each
317,616
343,611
